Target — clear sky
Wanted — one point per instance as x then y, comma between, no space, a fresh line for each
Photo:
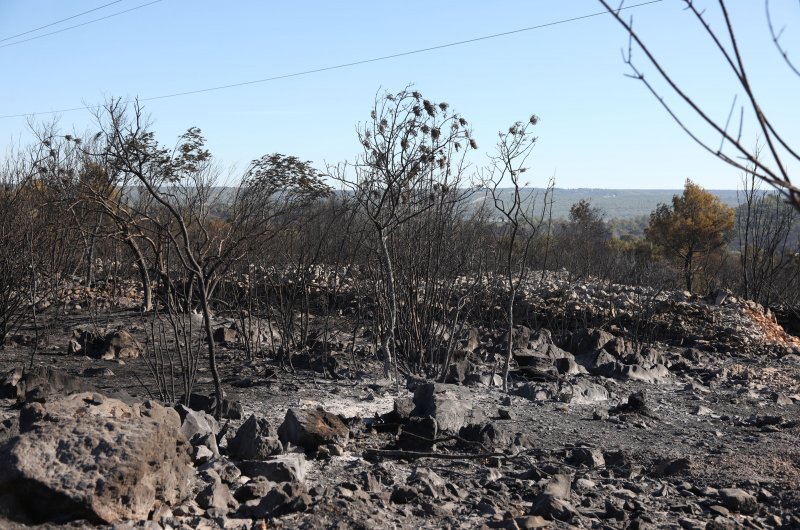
598,129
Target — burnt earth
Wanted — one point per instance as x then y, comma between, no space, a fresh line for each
709,441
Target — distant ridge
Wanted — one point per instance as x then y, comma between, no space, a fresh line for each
619,203
615,203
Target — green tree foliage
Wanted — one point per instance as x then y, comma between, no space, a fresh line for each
696,226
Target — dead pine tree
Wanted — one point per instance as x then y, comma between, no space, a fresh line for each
520,215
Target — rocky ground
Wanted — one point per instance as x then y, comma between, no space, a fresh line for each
695,427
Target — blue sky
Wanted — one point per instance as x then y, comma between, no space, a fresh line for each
598,129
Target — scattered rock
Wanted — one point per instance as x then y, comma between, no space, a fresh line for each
255,440
738,500
120,345
310,428
447,404
44,382
418,434
199,428
587,456
488,435
217,497
281,468
582,392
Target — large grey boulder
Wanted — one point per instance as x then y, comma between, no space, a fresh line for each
93,457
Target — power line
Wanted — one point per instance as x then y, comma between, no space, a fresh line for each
78,25
59,21
344,65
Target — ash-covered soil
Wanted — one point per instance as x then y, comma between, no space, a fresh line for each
698,429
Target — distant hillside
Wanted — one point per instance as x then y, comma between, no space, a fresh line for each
620,204
616,204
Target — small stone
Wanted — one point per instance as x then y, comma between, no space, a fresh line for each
202,454
216,496
255,488
335,450
404,494
418,434
700,410
531,522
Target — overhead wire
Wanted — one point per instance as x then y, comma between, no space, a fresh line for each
79,25
60,21
345,65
